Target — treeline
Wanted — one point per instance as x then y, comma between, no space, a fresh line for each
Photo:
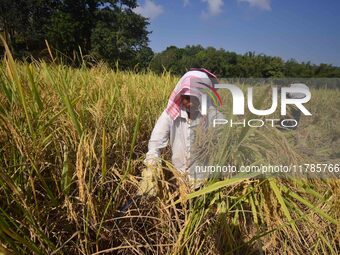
89,31
229,64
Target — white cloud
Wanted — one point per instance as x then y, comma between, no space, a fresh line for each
149,9
186,2
214,7
262,4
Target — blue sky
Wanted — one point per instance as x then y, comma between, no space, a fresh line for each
306,30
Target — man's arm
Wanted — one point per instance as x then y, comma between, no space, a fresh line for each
159,139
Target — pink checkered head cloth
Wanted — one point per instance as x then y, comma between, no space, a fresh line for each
185,87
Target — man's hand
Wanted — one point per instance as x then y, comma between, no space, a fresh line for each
148,186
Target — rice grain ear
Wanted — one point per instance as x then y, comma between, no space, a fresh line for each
80,171
36,215
66,175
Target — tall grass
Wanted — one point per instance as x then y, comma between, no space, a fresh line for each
72,143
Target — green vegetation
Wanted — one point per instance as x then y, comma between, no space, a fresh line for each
72,143
229,64
97,30
90,31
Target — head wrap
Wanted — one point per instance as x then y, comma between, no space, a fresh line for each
187,85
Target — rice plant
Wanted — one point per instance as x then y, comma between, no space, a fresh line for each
72,145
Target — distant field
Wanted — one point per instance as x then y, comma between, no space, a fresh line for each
72,142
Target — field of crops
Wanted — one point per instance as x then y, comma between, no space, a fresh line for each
72,144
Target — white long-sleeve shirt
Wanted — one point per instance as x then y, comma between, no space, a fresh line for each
180,134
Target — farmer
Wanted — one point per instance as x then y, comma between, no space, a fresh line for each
176,126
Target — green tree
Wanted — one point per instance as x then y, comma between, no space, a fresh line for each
23,23
109,30
229,64
119,35
169,59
